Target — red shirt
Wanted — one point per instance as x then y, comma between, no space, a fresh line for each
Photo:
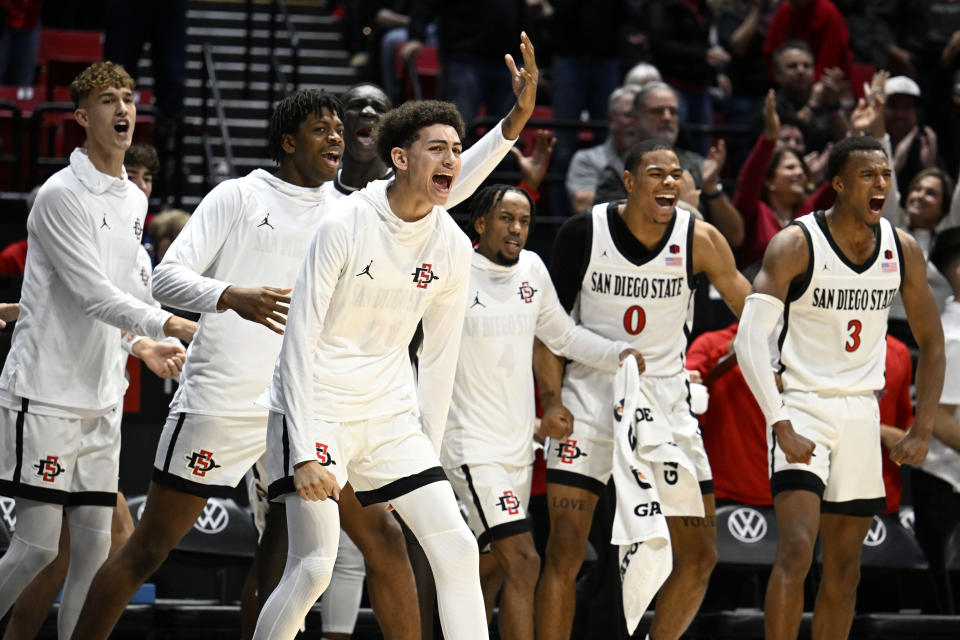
13,259
734,431
821,25
760,221
896,410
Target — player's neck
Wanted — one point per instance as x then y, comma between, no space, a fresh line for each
108,161
356,174
288,172
853,236
642,225
407,202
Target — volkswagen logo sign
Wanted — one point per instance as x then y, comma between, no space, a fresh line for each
214,518
8,512
747,525
877,534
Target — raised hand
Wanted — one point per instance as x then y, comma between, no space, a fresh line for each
713,165
264,305
771,120
534,167
526,78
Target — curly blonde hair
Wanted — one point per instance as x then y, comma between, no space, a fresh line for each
99,75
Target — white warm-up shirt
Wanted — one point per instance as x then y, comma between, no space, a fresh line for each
367,281
84,231
250,232
493,410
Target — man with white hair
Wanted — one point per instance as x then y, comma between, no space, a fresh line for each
640,74
587,165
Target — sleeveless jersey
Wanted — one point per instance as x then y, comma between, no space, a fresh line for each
646,305
835,319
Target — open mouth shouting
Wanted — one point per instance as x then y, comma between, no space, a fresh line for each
122,126
332,157
665,200
365,135
442,182
876,204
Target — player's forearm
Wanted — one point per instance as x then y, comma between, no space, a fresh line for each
178,286
479,161
548,371
930,368
760,316
945,427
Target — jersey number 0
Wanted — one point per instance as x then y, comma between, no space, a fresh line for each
634,320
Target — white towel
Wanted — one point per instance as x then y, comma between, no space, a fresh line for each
654,479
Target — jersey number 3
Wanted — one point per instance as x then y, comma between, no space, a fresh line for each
854,327
634,320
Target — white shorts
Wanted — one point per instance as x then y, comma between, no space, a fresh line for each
495,496
382,458
585,459
207,456
68,461
256,480
846,468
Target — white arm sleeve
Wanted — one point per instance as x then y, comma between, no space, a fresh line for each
177,280
761,313
60,227
442,330
476,164
312,292
566,338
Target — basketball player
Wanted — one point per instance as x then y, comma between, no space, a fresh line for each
343,399
831,278
250,230
63,383
627,270
488,444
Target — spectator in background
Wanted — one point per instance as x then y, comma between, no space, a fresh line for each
679,32
393,19
142,165
658,110
734,431
640,74
915,145
585,70
472,39
771,190
20,42
587,165
936,483
819,24
164,228
800,98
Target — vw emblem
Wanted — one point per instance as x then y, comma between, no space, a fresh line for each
908,518
8,512
877,534
747,525
214,518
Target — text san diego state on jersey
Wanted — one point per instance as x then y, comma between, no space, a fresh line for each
835,319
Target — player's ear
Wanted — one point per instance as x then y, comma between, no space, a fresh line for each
399,157
80,115
837,184
288,143
480,224
628,180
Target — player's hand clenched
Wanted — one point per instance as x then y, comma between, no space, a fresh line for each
795,447
910,450
641,365
313,482
557,422
264,305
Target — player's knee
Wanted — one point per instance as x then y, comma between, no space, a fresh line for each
522,564
566,547
34,558
382,543
452,554
144,555
794,554
316,571
698,560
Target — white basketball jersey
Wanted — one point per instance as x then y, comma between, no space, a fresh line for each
645,305
835,324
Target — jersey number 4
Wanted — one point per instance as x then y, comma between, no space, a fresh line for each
853,343
634,320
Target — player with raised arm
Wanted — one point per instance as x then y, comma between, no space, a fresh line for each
627,270
830,278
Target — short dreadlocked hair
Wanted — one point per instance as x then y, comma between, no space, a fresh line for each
294,109
488,198
99,75
142,155
400,127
